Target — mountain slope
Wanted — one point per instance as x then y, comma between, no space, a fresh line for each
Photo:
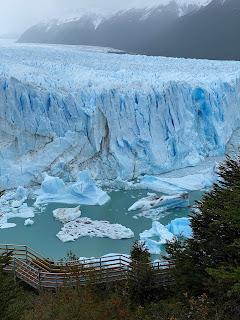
127,30
211,32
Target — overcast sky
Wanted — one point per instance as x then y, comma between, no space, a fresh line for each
17,15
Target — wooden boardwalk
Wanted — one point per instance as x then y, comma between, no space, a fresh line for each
41,273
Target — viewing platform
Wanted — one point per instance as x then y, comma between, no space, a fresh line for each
44,274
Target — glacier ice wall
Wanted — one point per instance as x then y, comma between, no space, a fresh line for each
61,118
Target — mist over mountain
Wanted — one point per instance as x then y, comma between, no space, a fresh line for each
126,30
190,31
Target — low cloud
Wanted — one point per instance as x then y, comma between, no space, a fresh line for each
17,15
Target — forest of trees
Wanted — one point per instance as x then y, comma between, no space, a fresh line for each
206,276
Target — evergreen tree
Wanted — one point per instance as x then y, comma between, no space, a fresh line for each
141,275
210,261
13,300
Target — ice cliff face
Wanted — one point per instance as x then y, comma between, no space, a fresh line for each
66,109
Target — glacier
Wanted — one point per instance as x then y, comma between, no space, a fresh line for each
64,109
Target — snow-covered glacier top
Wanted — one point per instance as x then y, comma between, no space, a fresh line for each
70,68
64,109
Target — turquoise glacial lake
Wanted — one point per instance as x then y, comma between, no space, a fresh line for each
42,235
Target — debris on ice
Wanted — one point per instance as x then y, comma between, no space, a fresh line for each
67,214
85,227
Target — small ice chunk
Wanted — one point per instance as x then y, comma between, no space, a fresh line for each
15,199
23,212
7,225
4,223
67,214
28,222
181,227
13,206
85,227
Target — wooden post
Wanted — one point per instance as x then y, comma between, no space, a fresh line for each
39,281
26,253
101,269
14,270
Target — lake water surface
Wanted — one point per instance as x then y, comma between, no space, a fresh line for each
42,235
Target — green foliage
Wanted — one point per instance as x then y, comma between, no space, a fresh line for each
209,262
83,304
140,254
13,301
141,280
71,256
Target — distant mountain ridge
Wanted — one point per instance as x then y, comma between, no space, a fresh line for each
126,30
210,31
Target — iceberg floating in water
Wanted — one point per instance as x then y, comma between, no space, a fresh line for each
12,206
28,222
84,191
159,232
67,214
191,182
4,224
117,116
85,227
180,227
165,202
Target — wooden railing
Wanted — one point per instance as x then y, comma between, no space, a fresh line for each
41,273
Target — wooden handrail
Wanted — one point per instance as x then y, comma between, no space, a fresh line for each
39,272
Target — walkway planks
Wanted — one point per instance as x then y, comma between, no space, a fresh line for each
41,273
